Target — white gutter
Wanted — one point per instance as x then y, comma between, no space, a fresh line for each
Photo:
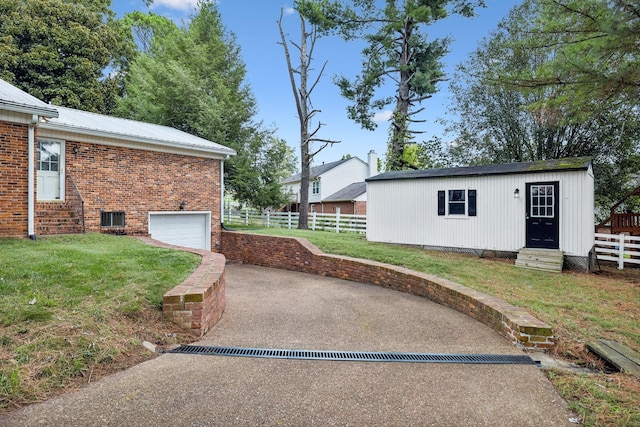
44,111
31,220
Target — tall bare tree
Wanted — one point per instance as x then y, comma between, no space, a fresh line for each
302,85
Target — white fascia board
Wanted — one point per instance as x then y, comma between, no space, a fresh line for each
149,144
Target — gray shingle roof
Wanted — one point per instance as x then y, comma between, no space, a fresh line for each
14,99
348,193
556,165
315,171
84,122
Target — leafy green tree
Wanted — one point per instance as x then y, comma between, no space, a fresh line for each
192,79
595,52
504,123
70,53
259,174
398,51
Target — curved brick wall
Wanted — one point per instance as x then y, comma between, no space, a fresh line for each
197,303
298,254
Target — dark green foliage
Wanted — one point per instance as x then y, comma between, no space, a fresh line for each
192,79
500,121
68,53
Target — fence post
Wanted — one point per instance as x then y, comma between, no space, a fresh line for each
289,220
621,253
337,221
246,217
268,219
313,221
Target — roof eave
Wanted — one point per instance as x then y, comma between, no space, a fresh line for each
28,109
458,175
149,141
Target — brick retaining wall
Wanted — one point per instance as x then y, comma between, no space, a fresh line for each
197,303
298,254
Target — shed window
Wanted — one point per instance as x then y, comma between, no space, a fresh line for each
457,203
112,219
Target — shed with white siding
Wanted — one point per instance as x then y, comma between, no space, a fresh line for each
502,208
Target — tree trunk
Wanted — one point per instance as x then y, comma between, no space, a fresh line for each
400,128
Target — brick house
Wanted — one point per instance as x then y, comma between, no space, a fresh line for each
67,171
334,187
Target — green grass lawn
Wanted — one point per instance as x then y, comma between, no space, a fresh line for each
579,307
75,307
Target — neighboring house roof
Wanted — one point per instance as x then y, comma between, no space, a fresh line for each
316,171
14,99
555,165
86,123
348,193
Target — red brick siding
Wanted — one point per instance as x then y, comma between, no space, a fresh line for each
13,179
330,208
300,255
138,181
361,208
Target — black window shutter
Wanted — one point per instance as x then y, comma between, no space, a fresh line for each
441,201
472,202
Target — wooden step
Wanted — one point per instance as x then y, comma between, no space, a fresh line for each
618,355
541,259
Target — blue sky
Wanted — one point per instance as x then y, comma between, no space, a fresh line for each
254,22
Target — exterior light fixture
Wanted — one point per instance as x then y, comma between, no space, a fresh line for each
75,149
182,205
516,194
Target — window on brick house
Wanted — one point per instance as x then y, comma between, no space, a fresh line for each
112,219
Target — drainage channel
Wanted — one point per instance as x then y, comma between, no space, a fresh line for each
355,356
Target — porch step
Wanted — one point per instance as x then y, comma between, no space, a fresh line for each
541,259
57,218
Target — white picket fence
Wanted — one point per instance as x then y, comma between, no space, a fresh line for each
620,248
340,223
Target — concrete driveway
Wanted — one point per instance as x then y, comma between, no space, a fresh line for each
281,309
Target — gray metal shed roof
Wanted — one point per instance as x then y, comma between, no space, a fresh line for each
555,165
348,193
316,171
83,122
14,99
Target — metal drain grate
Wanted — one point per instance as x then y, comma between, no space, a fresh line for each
355,356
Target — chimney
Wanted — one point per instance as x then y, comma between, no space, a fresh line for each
372,159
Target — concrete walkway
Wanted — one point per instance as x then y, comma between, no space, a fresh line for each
282,309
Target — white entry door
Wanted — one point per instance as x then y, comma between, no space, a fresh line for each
50,169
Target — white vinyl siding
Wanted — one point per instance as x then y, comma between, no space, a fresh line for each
405,211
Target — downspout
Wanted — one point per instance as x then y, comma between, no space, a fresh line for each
31,185
222,191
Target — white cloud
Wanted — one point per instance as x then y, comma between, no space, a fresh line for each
289,10
382,116
185,5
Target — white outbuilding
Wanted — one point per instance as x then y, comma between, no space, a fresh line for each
501,208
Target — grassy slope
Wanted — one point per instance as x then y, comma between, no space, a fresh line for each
73,308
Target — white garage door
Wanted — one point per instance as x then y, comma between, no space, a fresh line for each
190,229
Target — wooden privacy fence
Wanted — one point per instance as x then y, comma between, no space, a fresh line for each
620,248
340,223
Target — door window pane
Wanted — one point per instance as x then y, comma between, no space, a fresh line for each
542,207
